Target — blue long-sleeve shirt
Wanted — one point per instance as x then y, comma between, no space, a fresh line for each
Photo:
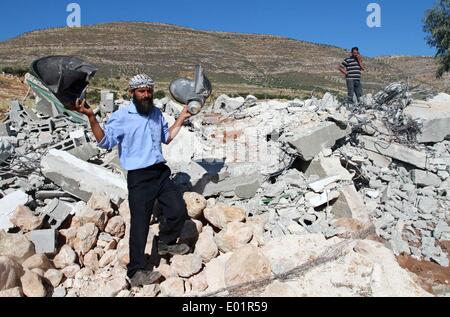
138,137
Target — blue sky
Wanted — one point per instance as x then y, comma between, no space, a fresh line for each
336,22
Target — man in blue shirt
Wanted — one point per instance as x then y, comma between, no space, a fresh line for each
138,130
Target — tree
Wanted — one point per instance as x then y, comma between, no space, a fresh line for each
437,25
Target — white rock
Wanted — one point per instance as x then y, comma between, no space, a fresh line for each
25,220
186,265
247,264
54,277
108,258
199,282
279,289
220,214
32,285
116,227
10,273
215,272
38,261
235,235
12,292
206,247
86,238
286,253
91,260
71,270
65,257
16,246
173,287
195,204
88,215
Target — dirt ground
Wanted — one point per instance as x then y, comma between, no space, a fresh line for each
431,276
11,87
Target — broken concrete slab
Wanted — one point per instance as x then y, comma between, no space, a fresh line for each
44,240
320,185
8,205
328,167
6,149
5,129
435,118
424,178
309,140
317,200
427,205
85,152
378,159
398,245
230,184
247,191
227,105
81,179
395,151
350,204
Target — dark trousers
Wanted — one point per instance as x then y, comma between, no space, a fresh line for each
144,187
354,87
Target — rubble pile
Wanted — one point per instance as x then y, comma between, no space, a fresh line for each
272,187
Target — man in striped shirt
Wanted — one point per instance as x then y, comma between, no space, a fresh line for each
351,67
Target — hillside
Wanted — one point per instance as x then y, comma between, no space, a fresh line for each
166,51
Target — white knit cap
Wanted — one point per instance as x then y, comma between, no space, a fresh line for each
141,81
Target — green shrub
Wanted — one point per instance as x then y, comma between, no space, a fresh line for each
16,71
94,96
160,94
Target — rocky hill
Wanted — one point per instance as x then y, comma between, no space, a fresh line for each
121,49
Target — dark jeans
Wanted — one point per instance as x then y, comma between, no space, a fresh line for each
354,87
144,187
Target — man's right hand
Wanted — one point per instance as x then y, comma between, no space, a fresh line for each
82,107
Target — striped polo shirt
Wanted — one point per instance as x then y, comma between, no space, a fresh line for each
353,68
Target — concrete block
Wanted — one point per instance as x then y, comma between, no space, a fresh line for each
57,211
78,137
65,145
8,205
395,151
435,117
311,139
378,159
44,240
81,179
424,178
350,204
327,167
85,152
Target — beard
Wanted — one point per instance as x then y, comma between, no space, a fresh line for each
145,106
